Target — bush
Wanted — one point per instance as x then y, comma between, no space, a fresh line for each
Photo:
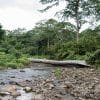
12,65
10,60
24,61
58,72
94,59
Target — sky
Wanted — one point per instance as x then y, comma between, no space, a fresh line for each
24,13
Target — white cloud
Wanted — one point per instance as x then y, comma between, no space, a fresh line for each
22,13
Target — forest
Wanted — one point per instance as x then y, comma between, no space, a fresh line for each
49,39
53,39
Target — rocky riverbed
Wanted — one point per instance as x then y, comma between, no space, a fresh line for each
41,83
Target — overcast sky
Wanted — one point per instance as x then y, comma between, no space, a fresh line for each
23,13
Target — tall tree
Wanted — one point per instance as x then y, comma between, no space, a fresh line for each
2,32
79,10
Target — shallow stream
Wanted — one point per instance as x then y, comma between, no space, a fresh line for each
11,76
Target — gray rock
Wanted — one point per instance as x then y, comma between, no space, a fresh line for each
4,93
2,83
51,86
15,94
58,96
22,70
28,89
39,97
9,88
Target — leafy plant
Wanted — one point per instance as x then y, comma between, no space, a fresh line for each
58,72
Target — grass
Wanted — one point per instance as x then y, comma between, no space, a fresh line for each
58,72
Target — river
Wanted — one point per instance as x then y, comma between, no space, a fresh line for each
13,76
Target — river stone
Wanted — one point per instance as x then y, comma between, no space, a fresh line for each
58,96
63,86
2,83
97,91
97,88
28,89
44,90
9,88
12,77
12,82
22,84
4,93
39,97
15,94
38,90
51,86
0,98
22,70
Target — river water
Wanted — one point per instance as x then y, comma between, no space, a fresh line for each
10,76
6,76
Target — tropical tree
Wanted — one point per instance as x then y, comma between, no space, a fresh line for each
2,32
79,10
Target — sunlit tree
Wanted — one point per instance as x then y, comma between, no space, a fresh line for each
79,10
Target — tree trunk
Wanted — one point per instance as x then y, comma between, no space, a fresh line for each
78,25
78,28
55,62
48,44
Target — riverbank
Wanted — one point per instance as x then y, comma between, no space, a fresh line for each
72,84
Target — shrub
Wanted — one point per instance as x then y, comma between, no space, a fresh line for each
94,59
12,65
58,72
10,60
24,61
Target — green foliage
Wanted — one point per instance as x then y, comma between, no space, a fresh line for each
79,10
9,60
58,72
2,33
94,59
12,65
23,60
52,40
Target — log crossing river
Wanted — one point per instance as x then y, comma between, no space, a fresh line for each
75,63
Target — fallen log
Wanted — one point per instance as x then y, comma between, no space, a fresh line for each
63,63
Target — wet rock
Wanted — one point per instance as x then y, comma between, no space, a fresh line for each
39,97
22,70
12,77
48,80
25,83
2,83
0,98
51,86
97,88
4,93
38,90
9,88
44,90
15,94
43,83
63,86
97,92
28,89
58,96
68,86
12,82
22,84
